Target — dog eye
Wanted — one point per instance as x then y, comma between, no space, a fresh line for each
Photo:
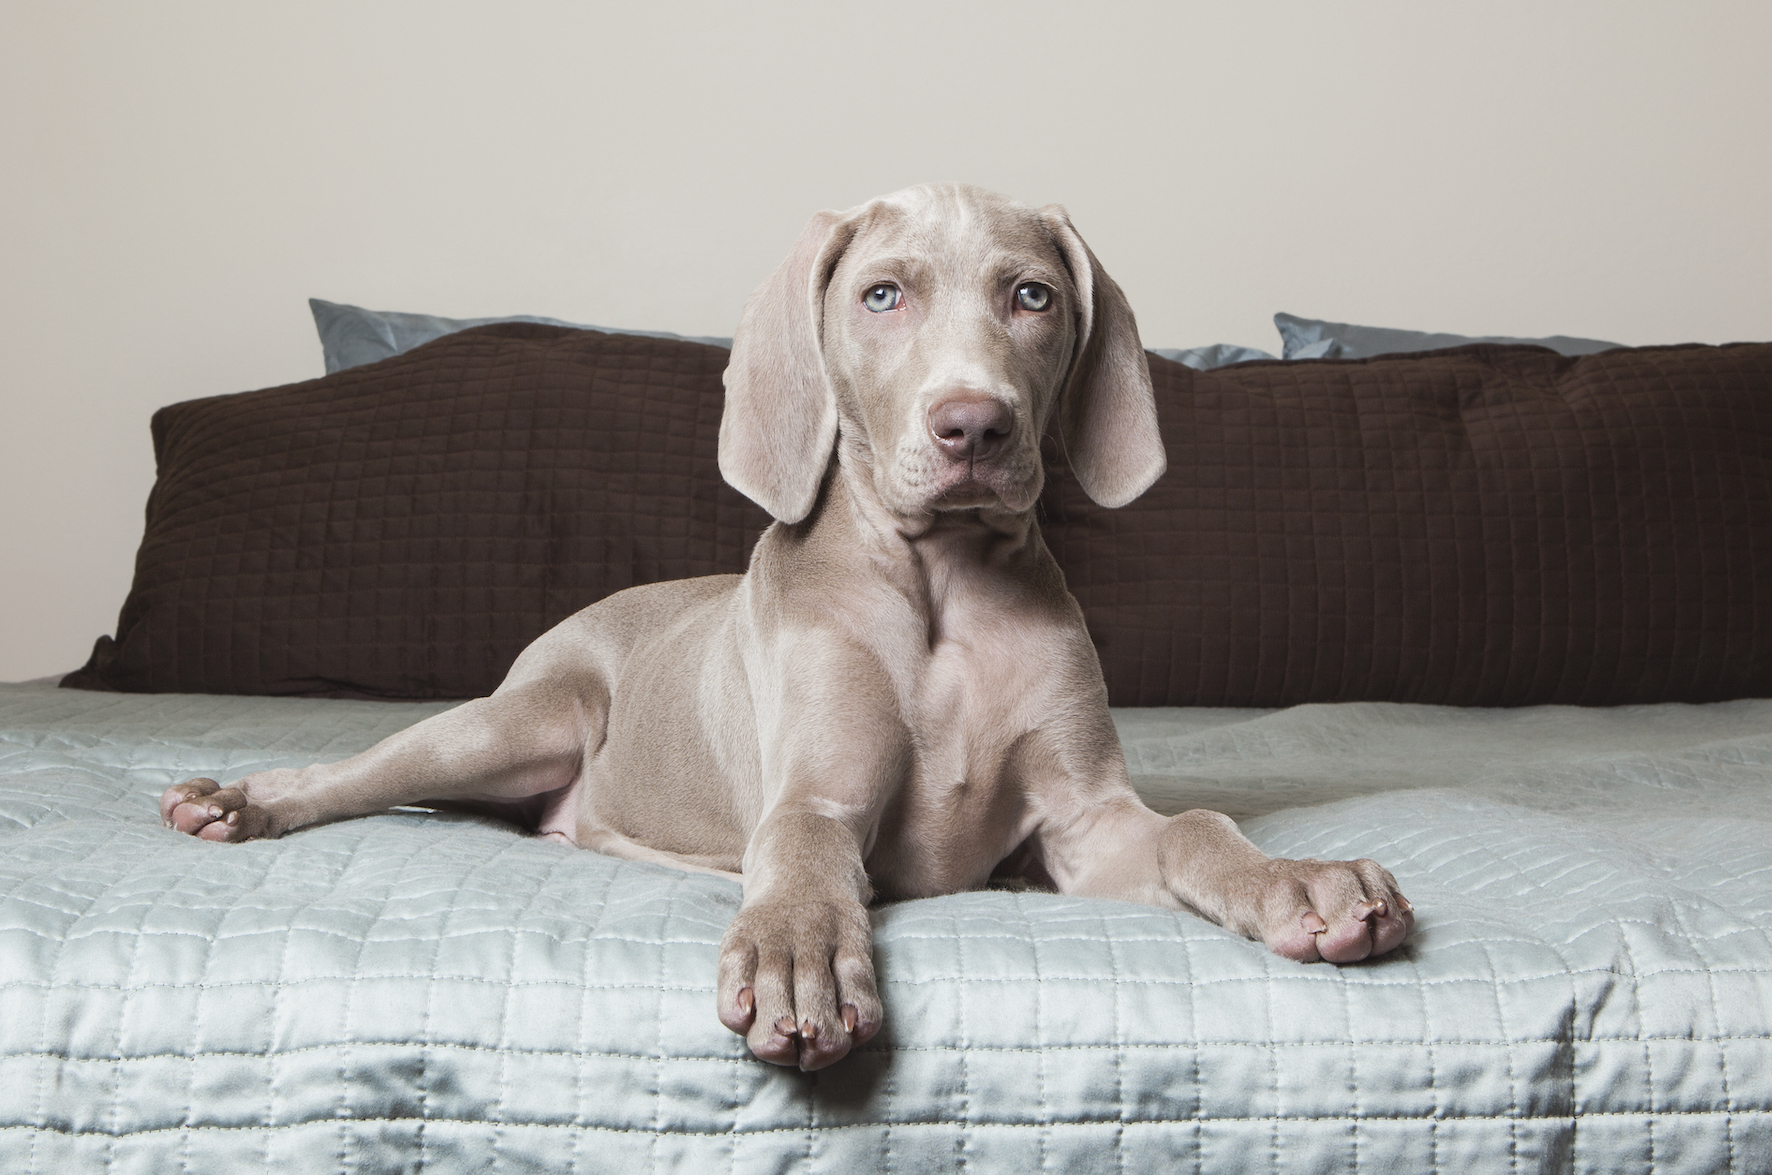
881,298
1033,296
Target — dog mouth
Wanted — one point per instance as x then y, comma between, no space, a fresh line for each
966,495
981,484
922,482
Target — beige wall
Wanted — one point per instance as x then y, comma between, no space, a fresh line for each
176,179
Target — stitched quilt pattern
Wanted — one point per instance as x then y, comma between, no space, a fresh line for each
1589,989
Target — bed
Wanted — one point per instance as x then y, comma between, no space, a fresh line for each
1579,807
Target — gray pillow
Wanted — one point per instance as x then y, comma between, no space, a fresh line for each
1311,338
1214,355
352,336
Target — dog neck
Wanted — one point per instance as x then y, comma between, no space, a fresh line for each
947,568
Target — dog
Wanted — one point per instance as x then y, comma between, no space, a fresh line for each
899,698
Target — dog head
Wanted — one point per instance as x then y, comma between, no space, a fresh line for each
929,336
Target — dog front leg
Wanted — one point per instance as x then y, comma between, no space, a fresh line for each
796,973
1338,911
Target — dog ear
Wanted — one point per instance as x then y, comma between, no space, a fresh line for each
779,427
1108,413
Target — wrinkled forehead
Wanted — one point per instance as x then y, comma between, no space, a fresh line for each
958,231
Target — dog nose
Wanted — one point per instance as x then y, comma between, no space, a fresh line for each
971,426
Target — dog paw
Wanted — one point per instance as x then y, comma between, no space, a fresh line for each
797,981
1336,911
205,809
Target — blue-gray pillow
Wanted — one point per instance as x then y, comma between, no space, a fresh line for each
351,336
1213,356
1311,338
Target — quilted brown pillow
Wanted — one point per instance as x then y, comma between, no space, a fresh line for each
403,530
1485,526
1488,526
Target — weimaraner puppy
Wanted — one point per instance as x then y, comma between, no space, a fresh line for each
899,698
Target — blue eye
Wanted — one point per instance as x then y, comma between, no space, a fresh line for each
881,298
1033,296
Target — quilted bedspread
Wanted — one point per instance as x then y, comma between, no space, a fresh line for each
1589,987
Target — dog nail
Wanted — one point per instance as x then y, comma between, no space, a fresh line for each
214,811
1380,910
747,1002
784,1026
1314,923
809,1031
233,818
1403,905
849,1018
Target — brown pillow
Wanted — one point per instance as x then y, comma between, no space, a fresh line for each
1487,526
403,530
1484,526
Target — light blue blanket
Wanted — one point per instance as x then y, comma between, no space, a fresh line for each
1589,988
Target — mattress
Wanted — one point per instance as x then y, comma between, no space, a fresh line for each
1589,987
